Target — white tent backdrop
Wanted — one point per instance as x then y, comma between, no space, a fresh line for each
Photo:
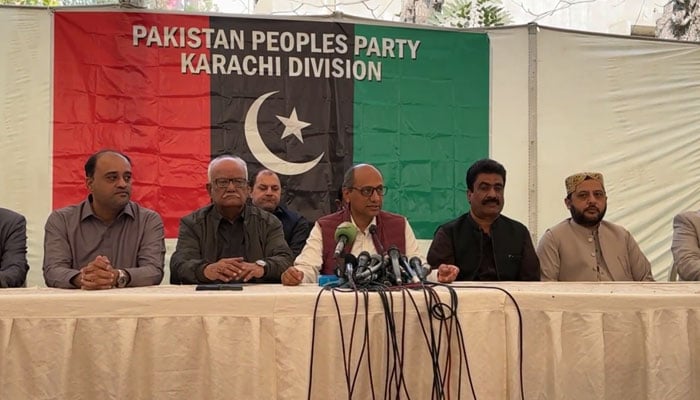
561,102
25,115
627,108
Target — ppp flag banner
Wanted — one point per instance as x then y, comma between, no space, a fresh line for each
306,99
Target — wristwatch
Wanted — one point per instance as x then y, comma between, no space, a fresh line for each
263,264
122,278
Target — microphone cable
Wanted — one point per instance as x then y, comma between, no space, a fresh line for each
438,322
520,327
446,317
395,376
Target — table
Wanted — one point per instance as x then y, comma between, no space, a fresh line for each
580,341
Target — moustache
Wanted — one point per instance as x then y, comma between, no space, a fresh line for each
494,201
592,208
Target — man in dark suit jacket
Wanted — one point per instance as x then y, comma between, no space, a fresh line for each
13,249
483,244
266,193
229,240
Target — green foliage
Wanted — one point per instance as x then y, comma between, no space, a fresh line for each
470,14
41,3
83,3
181,5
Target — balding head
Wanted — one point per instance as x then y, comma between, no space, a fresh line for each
363,189
350,174
267,190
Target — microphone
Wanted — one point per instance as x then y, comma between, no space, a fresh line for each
417,266
373,232
427,269
362,261
411,271
341,267
376,262
394,254
350,264
345,234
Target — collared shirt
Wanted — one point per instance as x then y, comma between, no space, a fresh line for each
311,258
198,244
230,236
487,263
74,237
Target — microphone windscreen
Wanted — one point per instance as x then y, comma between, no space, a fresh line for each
376,259
350,259
347,229
363,259
394,253
415,262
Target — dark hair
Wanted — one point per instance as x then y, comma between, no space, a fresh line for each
484,166
92,161
348,178
340,194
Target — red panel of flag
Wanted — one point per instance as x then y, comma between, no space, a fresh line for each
110,92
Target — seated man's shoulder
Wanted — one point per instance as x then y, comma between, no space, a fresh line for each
615,229
557,234
198,214
336,217
9,215
283,209
563,226
693,216
67,212
391,215
258,214
285,213
145,211
454,223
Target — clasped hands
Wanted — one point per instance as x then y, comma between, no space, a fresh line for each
98,274
233,269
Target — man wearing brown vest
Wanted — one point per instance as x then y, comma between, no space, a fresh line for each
363,194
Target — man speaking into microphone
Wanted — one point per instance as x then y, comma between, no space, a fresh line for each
377,230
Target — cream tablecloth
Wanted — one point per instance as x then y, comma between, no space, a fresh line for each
580,341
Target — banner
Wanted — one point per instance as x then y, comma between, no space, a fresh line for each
306,99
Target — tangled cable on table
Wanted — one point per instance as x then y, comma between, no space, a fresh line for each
439,324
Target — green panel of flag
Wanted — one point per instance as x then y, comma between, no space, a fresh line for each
425,121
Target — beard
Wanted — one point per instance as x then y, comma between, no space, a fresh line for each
584,220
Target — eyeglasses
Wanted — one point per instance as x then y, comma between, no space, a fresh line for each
368,190
238,183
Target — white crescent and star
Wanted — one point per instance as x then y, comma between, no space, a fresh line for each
292,125
262,153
